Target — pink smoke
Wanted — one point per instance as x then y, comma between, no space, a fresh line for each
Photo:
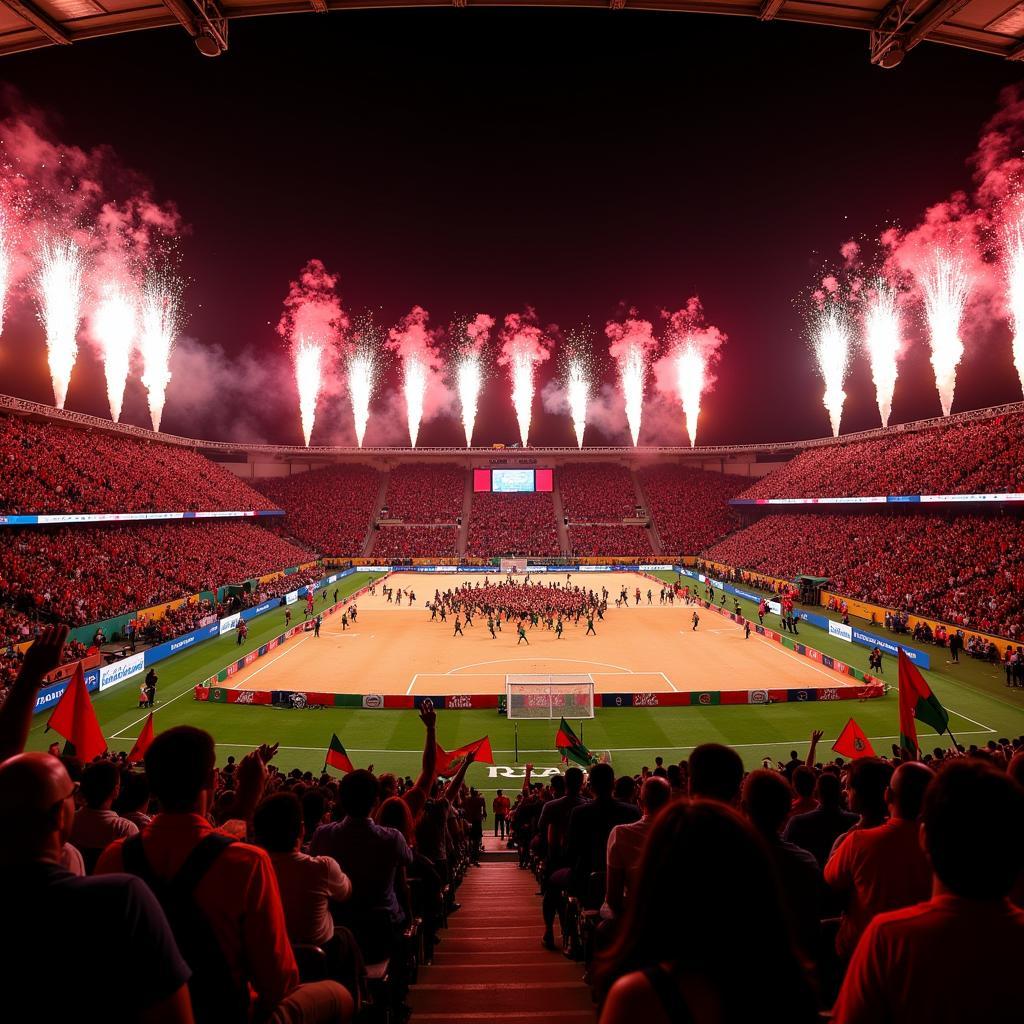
416,346
524,346
632,345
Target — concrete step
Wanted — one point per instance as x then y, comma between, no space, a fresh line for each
510,997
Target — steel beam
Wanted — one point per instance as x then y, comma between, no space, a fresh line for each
42,21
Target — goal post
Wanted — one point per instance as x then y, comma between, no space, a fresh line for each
549,695
512,565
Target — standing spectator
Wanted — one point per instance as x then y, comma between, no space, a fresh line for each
817,830
500,807
475,810
626,843
716,772
151,680
96,823
882,868
956,956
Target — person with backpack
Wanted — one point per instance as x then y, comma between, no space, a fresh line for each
220,896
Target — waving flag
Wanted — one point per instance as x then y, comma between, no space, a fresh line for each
448,761
571,747
75,719
917,702
852,742
138,752
337,756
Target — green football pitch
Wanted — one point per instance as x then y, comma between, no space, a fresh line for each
980,706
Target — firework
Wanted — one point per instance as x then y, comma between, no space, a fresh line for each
945,286
59,294
524,345
882,340
414,385
1013,240
161,305
307,358
470,379
832,350
361,371
6,262
691,368
577,387
114,325
631,342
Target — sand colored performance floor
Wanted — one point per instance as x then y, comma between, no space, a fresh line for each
638,649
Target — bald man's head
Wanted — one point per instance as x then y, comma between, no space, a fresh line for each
36,812
906,791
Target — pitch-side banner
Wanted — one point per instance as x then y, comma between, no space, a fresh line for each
125,517
111,675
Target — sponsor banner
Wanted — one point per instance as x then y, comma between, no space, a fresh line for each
840,630
828,693
824,659
734,697
374,701
348,700
118,671
706,698
229,623
593,568
775,607
617,700
258,609
814,655
292,597
47,697
179,643
125,517
271,644
777,696
400,703
888,499
799,696
757,696
375,568
656,568
919,658
250,658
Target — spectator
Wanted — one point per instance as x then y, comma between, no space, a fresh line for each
97,825
955,956
882,868
626,843
716,773
674,959
553,830
817,830
115,918
221,896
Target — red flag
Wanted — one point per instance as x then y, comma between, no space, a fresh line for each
852,742
138,752
337,756
448,761
75,719
917,702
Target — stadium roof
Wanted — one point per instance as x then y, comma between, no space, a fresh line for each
896,27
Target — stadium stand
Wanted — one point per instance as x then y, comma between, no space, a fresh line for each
967,570
85,574
512,524
596,492
329,509
690,506
608,540
960,458
415,541
56,468
425,494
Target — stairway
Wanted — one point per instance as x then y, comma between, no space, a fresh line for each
371,533
467,511
563,533
653,537
490,966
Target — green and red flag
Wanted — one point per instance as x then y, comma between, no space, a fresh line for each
571,747
449,761
917,702
75,719
138,752
337,756
852,742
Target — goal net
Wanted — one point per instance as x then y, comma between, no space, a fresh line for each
510,565
550,696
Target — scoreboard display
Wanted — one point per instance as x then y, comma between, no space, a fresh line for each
513,481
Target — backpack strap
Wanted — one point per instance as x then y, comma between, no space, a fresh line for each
135,862
198,862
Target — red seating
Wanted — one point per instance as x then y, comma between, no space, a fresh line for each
958,458
596,492
590,539
54,468
328,509
416,541
425,493
512,524
967,569
690,506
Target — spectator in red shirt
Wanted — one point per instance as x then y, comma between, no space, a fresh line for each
882,868
956,956
236,898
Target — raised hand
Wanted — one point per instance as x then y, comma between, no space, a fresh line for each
44,654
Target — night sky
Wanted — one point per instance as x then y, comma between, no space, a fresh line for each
483,160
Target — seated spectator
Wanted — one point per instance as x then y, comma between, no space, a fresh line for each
115,920
766,803
674,959
956,956
867,782
133,801
690,506
553,830
220,895
97,825
716,773
882,868
626,843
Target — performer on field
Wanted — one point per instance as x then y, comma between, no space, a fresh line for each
522,636
696,621
458,627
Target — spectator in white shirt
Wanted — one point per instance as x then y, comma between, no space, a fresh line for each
626,842
97,825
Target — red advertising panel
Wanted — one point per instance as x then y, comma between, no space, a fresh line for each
545,480
481,479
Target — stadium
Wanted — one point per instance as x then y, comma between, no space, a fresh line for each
360,662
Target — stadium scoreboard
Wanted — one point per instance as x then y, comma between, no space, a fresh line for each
513,481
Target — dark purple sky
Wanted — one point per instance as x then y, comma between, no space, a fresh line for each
480,160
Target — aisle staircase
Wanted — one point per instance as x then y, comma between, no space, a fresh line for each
490,966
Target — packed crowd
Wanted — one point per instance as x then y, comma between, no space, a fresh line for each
84,574
966,570
871,890
596,492
840,906
415,541
53,468
329,509
593,539
511,525
425,493
690,506
958,458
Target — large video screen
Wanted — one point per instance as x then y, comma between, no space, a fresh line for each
513,481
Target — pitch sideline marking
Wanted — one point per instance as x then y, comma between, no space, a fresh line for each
288,650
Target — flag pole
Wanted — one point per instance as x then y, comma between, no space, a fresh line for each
956,746
515,730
